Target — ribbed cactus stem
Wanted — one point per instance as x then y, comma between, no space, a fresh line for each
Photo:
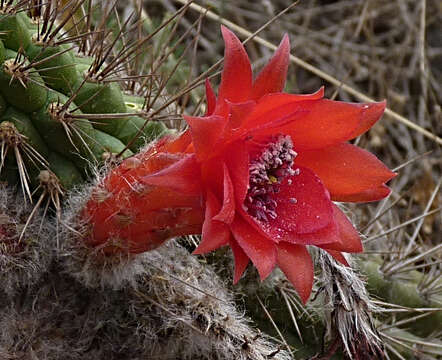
403,291
65,116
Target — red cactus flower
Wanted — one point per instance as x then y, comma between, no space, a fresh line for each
259,173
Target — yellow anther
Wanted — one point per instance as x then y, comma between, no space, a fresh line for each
272,179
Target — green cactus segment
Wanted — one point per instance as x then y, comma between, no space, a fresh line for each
14,31
37,78
403,292
20,138
97,98
23,89
107,145
82,61
26,128
67,173
134,103
56,66
76,138
130,135
72,138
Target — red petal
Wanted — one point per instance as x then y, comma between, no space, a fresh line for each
296,263
274,110
272,77
238,166
227,212
210,98
215,234
206,132
236,78
258,248
272,101
349,239
371,113
313,124
238,112
375,194
241,260
304,206
179,144
338,257
327,235
182,176
327,123
345,169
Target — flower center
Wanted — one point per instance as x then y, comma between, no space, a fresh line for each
266,172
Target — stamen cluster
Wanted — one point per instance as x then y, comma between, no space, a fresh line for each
266,173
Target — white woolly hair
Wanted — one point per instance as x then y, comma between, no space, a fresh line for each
25,249
178,309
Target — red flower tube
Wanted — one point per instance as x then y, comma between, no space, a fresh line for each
259,173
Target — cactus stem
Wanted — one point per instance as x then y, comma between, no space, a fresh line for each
35,62
58,112
11,138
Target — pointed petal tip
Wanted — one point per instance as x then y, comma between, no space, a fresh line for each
210,98
241,260
347,171
370,114
369,195
236,77
205,248
228,34
297,265
272,77
198,251
259,249
285,43
339,257
375,109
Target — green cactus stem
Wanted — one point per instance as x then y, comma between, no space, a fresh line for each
20,85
